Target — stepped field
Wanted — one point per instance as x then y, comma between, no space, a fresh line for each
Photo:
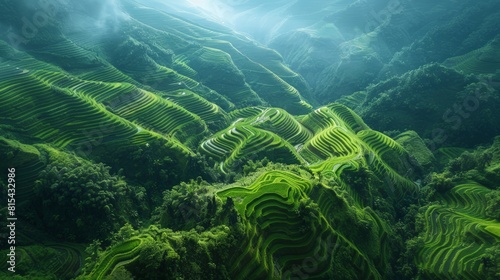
280,233
484,60
66,117
150,141
240,140
210,113
241,79
53,261
276,209
119,255
328,140
283,124
457,233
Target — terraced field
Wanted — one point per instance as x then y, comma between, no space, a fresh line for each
120,255
213,115
481,61
230,82
246,112
388,159
43,111
457,234
353,100
220,53
269,59
124,100
446,154
21,60
58,261
241,140
158,89
283,124
329,140
276,227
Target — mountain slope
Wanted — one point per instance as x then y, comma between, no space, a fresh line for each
143,140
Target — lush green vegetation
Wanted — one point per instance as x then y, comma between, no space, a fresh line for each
460,234
440,104
69,187
151,145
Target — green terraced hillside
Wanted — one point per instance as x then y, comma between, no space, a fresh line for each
54,261
217,60
151,140
481,61
457,235
274,212
327,140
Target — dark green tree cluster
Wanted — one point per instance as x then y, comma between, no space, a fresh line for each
238,169
493,205
481,165
187,206
79,200
152,165
491,261
439,103
168,254
193,206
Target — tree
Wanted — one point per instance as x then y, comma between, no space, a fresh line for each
493,205
120,273
79,200
93,251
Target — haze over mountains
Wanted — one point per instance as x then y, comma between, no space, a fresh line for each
333,43
250,139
